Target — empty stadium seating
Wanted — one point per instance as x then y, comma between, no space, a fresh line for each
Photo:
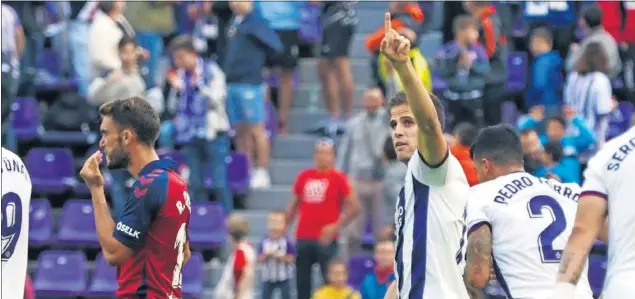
207,225
77,224
61,274
51,169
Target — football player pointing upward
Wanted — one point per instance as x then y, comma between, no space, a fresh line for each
429,222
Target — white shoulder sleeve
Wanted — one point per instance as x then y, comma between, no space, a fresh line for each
594,183
432,175
477,200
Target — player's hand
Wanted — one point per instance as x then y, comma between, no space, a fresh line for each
91,173
395,46
328,233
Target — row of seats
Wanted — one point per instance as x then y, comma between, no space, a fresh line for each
53,171
76,224
63,273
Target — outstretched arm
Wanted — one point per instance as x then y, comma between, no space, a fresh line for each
431,144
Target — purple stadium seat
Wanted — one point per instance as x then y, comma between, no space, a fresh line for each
176,156
50,62
207,225
358,267
104,281
597,272
40,222
52,170
368,238
509,113
61,274
238,173
516,71
194,276
26,118
620,120
310,29
77,224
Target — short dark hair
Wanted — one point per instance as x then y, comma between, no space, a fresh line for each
125,40
499,144
182,42
401,99
466,133
592,15
134,113
543,33
463,22
527,131
558,119
554,149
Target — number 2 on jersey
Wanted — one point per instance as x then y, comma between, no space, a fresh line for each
536,208
179,245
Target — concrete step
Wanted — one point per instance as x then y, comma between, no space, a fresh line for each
360,68
300,120
275,198
294,146
370,18
310,95
284,172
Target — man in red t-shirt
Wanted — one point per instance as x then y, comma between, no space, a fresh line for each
325,202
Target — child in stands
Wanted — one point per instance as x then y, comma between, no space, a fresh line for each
276,253
238,279
337,286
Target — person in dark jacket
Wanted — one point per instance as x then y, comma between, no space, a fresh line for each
463,62
492,38
546,74
250,44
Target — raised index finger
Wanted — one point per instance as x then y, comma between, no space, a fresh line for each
387,24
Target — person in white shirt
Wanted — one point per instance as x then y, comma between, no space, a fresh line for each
16,197
517,223
608,191
430,210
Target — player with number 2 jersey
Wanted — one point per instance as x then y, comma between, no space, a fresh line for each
523,220
148,240
16,197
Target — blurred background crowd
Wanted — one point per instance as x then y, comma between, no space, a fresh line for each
266,104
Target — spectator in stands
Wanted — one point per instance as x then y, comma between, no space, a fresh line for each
107,29
591,23
28,13
556,165
251,43
197,100
389,77
588,90
572,133
406,16
239,274
323,198
495,43
337,284
339,20
464,64
464,134
559,16
276,254
393,180
81,17
284,18
12,49
122,83
375,284
532,149
546,73
359,156
151,21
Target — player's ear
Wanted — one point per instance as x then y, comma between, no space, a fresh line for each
127,137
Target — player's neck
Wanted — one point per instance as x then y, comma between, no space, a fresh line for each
139,158
510,170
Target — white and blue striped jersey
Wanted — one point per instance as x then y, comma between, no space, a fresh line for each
531,219
430,229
